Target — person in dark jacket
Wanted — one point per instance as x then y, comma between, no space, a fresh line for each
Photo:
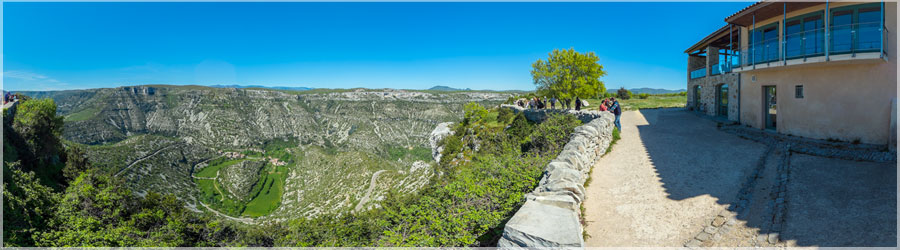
616,110
577,103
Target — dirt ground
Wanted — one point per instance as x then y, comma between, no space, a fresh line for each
664,179
673,174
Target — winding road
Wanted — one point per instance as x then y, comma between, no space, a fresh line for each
367,197
244,220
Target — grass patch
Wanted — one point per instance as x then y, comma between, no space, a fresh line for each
210,171
82,115
268,192
652,102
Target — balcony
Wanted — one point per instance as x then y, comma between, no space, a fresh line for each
698,73
845,42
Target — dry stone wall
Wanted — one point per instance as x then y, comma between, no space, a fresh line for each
550,215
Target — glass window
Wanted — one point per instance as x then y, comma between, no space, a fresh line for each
765,43
771,43
813,35
793,38
798,91
856,28
869,37
841,31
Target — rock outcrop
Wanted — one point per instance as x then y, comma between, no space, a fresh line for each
441,131
550,215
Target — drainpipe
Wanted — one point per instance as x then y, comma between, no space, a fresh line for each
827,27
731,50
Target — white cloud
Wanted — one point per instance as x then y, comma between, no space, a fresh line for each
25,80
25,75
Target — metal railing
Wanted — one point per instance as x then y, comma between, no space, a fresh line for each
804,44
761,52
842,39
855,38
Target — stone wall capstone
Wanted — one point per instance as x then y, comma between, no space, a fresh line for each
550,215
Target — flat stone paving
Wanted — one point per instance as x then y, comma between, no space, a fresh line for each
671,176
664,180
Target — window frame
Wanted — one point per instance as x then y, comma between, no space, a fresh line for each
802,19
762,33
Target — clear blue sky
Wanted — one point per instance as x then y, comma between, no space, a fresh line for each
52,46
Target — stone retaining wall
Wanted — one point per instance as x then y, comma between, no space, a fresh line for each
550,216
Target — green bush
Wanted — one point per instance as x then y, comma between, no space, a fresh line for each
643,95
623,94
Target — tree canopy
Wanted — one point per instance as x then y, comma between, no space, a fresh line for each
569,74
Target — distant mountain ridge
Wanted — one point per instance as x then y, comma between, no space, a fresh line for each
259,86
653,91
446,88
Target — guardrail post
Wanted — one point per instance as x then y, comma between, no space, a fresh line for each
827,38
881,28
784,31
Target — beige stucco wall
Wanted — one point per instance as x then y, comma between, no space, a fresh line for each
845,100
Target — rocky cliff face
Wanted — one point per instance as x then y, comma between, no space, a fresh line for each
240,117
155,137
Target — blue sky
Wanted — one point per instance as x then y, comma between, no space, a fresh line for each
53,46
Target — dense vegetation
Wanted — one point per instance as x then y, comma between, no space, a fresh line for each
54,197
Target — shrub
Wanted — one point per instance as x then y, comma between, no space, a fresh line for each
474,113
504,115
643,95
623,94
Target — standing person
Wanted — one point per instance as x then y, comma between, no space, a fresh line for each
603,105
616,110
531,103
577,103
553,102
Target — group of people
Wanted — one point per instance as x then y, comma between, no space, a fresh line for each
537,103
607,104
611,105
542,103
8,97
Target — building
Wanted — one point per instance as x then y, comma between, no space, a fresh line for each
823,70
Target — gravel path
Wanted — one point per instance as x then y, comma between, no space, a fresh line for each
667,176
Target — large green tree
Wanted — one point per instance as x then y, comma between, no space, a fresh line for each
567,74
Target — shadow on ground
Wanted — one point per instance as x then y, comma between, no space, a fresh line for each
830,202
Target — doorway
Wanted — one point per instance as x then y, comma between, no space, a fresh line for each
722,100
770,107
697,105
